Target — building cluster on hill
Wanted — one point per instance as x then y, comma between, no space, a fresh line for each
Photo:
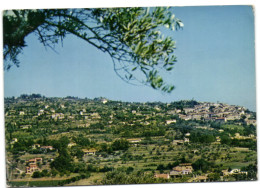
215,111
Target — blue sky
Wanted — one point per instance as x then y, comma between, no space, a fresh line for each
216,62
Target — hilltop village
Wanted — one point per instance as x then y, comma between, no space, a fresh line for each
73,141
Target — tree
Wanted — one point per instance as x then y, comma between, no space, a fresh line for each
10,129
130,36
121,144
214,176
225,139
36,174
202,165
64,161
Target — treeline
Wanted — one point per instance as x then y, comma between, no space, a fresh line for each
122,176
202,137
245,143
32,96
183,104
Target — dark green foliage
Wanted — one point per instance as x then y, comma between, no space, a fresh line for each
202,137
246,143
119,176
106,169
202,165
131,36
252,172
77,152
225,139
43,173
63,162
37,174
120,144
23,145
184,104
214,176
82,141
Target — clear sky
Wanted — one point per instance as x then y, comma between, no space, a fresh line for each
216,62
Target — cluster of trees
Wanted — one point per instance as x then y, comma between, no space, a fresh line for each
30,97
122,176
119,144
202,137
202,165
64,161
183,104
39,174
22,146
246,143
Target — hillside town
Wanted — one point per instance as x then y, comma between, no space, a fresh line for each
73,141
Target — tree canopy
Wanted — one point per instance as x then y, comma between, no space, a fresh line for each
131,36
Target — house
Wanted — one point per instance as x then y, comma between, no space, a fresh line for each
188,110
185,172
46,148
196,116
21,113
187,140
40,112
187,134
232,117
171,121
174,173
35,160
89,151
104,101
181,169
184,166
163,176
251,121
31,168
81,113
57,116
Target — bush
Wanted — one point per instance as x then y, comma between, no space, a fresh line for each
121,144
37,174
